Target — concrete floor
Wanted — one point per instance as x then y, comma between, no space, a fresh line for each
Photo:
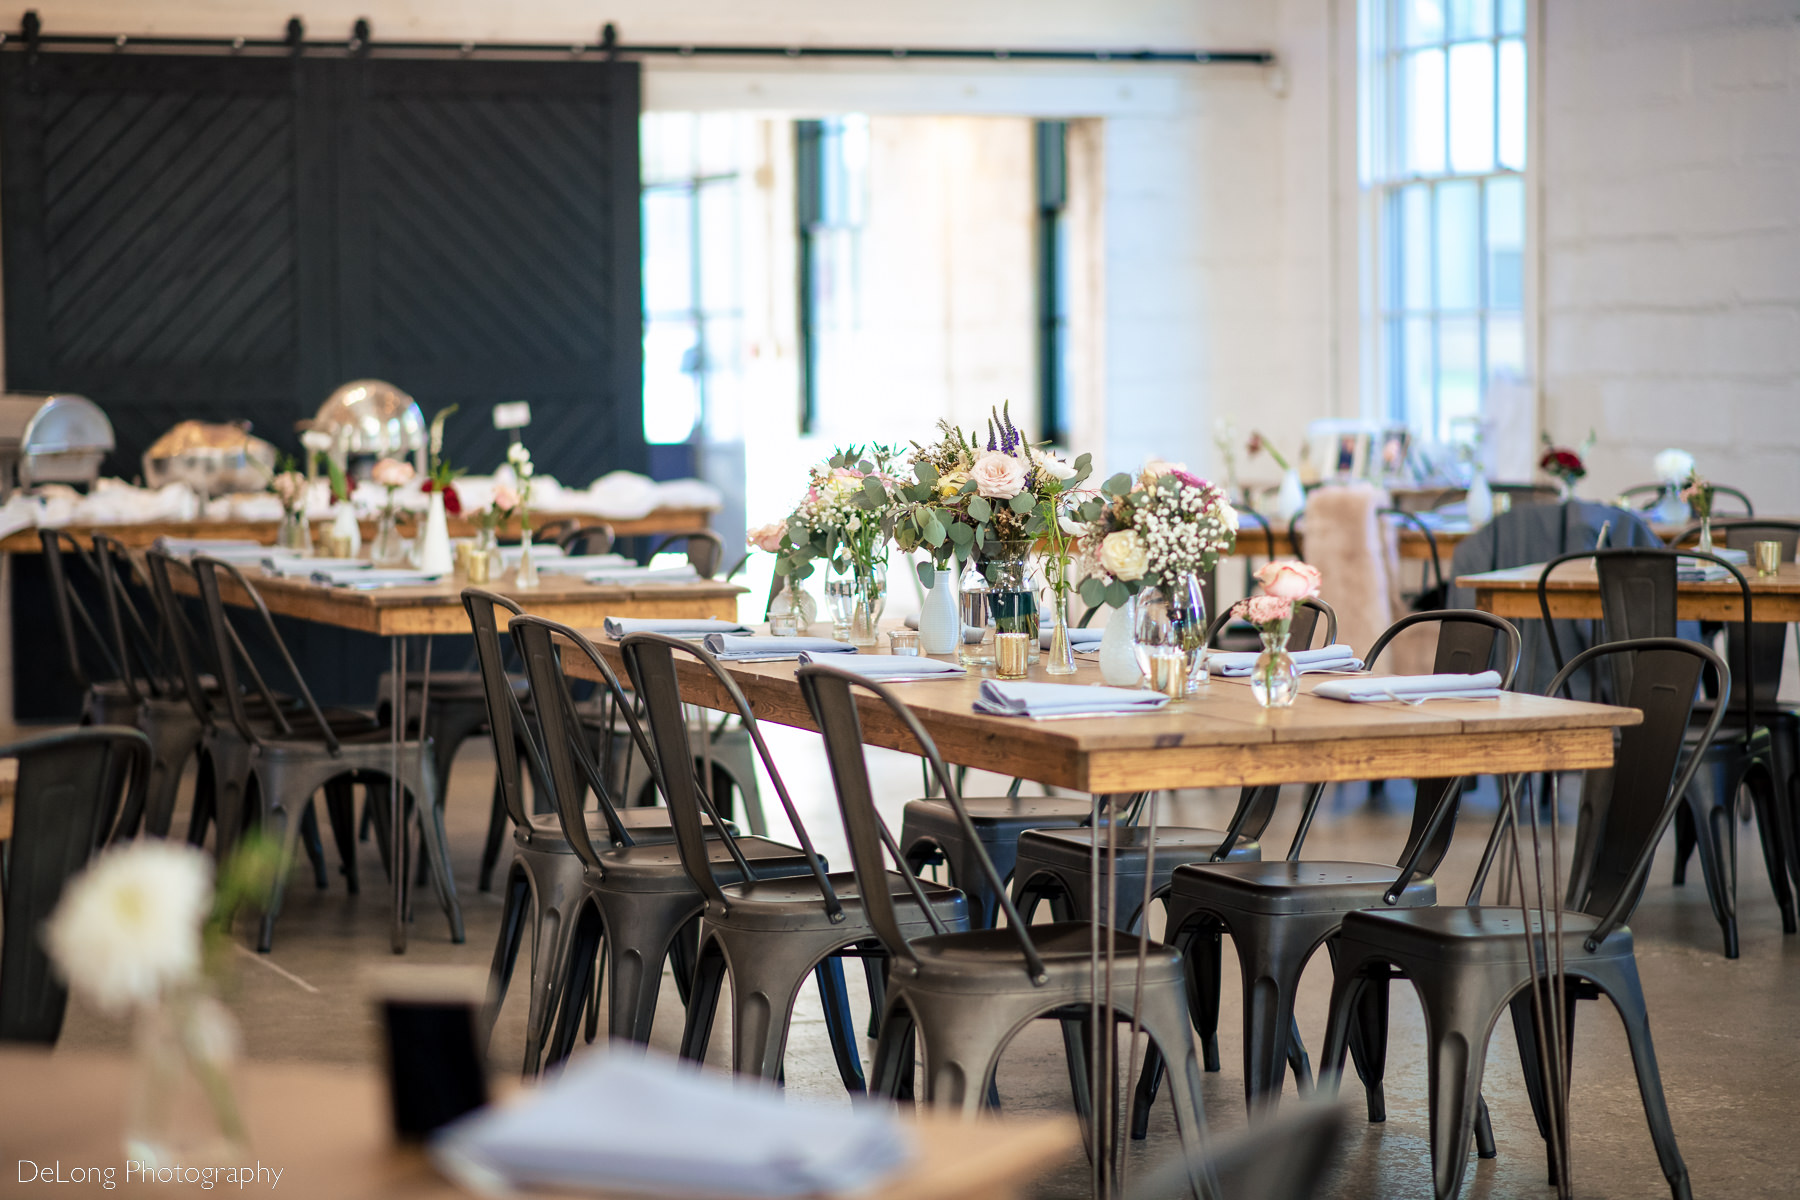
1723,1029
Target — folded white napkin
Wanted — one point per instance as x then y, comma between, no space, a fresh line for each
541,552
366,577
626,575
735,648
1325,658
623,1122
885,666
1366,688
1062,699
618,627
578,564
1079,638
291,567
228,551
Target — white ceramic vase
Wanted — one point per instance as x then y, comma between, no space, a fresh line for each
1290,498
434,547
1118,659
345,528
940,628
1479,502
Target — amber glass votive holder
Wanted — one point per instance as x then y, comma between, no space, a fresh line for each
1012,655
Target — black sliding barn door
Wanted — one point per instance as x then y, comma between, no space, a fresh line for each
224,237
232,237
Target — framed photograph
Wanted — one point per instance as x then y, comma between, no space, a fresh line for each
1394,445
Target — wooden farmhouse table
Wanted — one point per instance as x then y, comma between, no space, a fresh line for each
139,534
326,1129
1218,738
1574,592
401,612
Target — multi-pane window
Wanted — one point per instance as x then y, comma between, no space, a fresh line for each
831,199
1443,156
693,307
1051,140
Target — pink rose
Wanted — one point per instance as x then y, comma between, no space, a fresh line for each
506,498
392,473
767,537
1263,610
1289,580
998,476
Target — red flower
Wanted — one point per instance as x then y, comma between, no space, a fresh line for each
1558,461
452,502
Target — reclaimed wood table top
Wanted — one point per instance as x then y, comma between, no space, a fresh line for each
437,608
1574,592
138,534
326,1129
1217,738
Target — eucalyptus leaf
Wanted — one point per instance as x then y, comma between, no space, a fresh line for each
1118,485
933,530
874,494
1084,462
783,567
1117,594
1037,524
927,573
926,473
980,509
1093,592
962,535
804,572
968,487
1023,503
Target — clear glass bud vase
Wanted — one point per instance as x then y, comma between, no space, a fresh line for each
387,550
1060,658
182,1107
296,532
1274,681
870,600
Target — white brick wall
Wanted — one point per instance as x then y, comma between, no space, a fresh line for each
1671,238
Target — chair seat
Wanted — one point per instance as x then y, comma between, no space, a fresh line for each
649,825
445,684
1072,848
657,867
1486,934
1295,887
987,960
794,903
995,816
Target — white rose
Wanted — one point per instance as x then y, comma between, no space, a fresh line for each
128,927
1228,516
1124,556
998,476
1054,466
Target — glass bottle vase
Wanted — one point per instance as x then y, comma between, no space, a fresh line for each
386,549
975,645
1274,681
181,1106
526,577
1177,610
1060,658
296,532
869,600
1705,544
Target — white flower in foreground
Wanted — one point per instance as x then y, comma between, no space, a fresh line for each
129,926
1054,465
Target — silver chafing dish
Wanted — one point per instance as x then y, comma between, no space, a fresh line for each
368,420
59,438
213,459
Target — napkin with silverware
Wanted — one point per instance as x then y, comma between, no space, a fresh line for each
1238,664
630,575
618,627
1003,699
1413,689
732,647
887,666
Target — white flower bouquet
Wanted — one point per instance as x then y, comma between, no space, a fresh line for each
1150,531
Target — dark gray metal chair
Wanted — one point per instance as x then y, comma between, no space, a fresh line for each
105,700
767,936
65,802
1471,964
1639,595
1279,913
268,779
640,900
587,539
543,885
964,995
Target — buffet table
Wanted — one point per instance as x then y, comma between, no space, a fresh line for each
139,534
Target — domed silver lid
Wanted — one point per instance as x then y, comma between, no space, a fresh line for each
369,416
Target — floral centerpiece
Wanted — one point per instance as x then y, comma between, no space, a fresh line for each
143,931
991,504
500,509
1568,467
1698,493
519,459
846,519
1273,680
292,488
1148,540
1673,470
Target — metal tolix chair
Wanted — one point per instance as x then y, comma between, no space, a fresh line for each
1470,965
963,996
767,936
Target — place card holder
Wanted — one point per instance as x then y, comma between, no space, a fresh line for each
429,1020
